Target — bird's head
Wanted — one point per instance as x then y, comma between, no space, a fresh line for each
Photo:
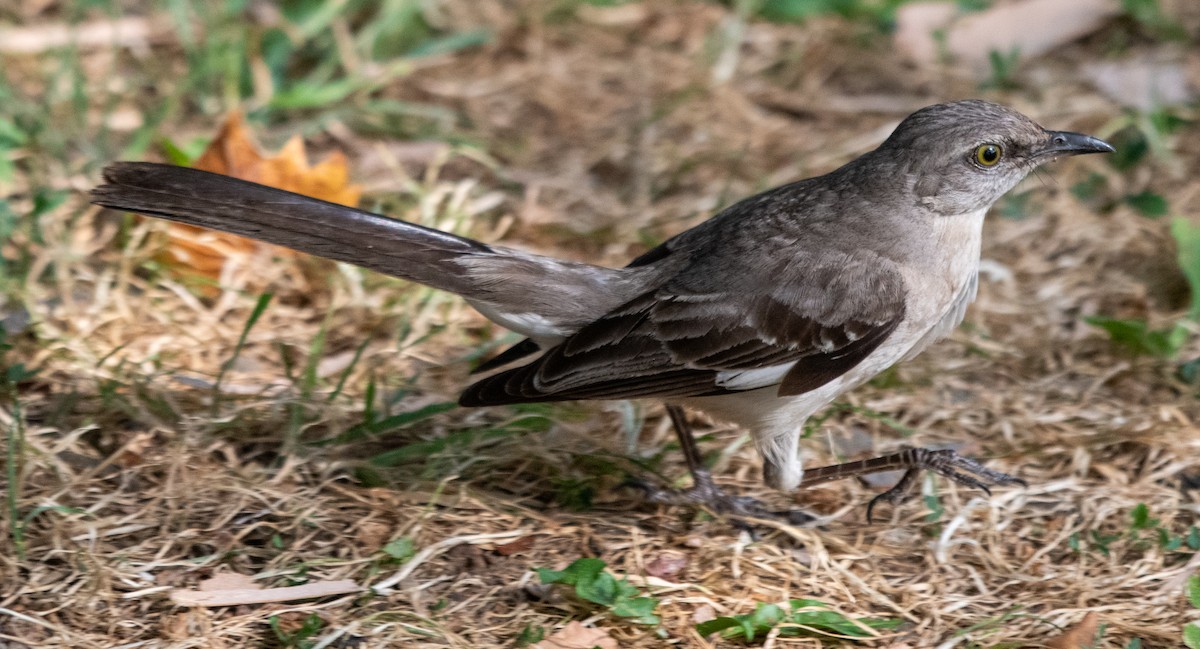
964,155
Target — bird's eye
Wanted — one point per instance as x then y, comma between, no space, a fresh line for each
988,154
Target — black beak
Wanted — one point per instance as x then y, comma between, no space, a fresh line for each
1068,143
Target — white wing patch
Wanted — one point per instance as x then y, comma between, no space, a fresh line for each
533,325
760,377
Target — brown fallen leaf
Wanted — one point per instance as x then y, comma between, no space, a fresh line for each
371,535
577,636
667,564
520,545
1080,636
234,153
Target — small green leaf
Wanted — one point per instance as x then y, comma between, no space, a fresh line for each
1187,241
766,616
1141,517
593,584
18,373
1091,187
1149,204
1004,67
722,623
640,609
175,153
750,625
1137,337
1131,146
11,135
401,549
793,11
47,200
1193,591
1189,372
315,94
1191,635
1168,542
1149,15
548,576
936,509
803,620
598,589
530,635
586,568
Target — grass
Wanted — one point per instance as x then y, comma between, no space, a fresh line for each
298,424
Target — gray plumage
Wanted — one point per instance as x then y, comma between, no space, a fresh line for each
758,316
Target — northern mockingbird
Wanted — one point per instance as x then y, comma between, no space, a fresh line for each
758,317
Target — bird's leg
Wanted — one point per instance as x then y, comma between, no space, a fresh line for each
704,491
948,463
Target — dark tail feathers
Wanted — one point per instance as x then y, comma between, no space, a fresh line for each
307,224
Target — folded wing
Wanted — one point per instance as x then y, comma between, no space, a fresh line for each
814,323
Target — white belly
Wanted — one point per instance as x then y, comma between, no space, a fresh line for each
938,295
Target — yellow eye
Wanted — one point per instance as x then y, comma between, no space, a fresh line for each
988,154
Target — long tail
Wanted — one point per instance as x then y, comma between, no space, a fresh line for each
302,223
541,297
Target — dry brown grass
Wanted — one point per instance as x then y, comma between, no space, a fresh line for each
152,487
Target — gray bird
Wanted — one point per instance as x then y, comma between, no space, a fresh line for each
758,317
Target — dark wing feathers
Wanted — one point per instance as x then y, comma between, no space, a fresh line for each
510,355
673,343
815,370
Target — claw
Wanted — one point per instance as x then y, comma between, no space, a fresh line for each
947,463
707,494
944,463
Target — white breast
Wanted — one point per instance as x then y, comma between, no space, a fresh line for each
939,291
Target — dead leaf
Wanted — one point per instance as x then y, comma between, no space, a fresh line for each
371,535
1143,82
926,30
1080,636
520,545
667,565
228,581
577,636
237,595
234,153
703,613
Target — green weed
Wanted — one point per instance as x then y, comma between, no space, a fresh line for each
1191,631
301,638
801,617
592,583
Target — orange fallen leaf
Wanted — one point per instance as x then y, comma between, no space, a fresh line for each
1080,636
234,153
577,636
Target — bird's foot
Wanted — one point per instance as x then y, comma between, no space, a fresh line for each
705,493
947,463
